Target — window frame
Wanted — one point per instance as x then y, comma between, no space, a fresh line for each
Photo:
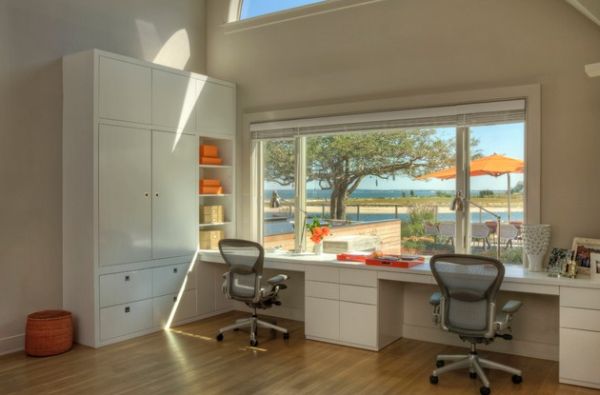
530,93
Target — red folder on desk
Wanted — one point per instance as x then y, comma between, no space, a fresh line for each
396,261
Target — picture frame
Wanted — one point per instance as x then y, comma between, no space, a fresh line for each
582,249
558,259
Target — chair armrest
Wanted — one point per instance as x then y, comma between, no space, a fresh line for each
278,279
512,306
435,299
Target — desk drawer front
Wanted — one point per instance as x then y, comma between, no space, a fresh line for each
124,319
367,278
322,318
358,324
322,290
323,274
125,287
579,356
169,279
580,318
586,298
365,295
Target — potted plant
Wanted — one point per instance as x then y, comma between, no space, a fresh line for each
317,234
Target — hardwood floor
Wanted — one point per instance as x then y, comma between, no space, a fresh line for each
187,360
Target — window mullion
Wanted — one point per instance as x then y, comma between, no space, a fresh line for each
300,198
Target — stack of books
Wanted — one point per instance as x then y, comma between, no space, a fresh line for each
209,155
210,187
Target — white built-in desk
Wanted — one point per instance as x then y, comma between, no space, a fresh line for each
369,307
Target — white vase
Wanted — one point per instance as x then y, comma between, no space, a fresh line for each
536,239
318,248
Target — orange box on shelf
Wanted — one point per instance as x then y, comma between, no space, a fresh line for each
209,150
207,182
205,160
211,190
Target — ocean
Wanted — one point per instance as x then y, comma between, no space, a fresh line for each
288,194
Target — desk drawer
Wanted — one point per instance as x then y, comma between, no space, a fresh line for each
587,298
124,319
579,357
322,274
169,279
580,318
125,287
322,290
164,305
358,324
365,295
367,278
322,318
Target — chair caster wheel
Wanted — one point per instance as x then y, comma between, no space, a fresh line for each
286,336
473,375
236,329
485,391
254,343
220,337
439,364
433,379
517,379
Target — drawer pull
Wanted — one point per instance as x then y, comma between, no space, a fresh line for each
127,309
175,270
127,278
174,298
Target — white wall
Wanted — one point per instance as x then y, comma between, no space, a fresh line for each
396,48
34,35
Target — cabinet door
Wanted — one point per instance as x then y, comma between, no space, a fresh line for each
124,203
206,284
358,324
174,198
173,100
125,319
216,108
322,318
578,355
124,91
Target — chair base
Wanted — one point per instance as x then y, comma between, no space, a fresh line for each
253,323
475,364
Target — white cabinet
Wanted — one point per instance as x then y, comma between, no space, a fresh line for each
358,324
124,90
123,194
322,318
215,110
207,287
174,198
130,192
174,99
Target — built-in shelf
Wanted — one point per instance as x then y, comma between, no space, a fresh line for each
214,194
214,224
215,166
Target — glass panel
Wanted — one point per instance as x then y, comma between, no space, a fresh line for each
497,185
367,184
278,194
253,8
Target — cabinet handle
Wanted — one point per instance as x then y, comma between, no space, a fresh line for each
174,298
156,194
174,270
127,309
146,194
127,278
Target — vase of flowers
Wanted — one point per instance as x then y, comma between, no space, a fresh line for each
536,239
317,234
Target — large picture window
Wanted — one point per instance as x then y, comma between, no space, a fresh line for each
395,175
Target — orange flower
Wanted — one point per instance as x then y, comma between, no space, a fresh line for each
326,231
315,239
317,231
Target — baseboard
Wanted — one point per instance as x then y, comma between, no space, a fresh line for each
12,344
515,347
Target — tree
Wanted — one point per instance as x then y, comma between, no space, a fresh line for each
340,162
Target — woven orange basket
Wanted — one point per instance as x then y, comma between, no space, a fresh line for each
48,332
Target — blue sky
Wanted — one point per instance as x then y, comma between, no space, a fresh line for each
252,8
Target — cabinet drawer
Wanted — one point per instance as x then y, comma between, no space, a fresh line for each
125,287
579,357
322,274
352,293
586,298
166,305
580,318
168,279
358,324
322,318
124,319
322,290
367,278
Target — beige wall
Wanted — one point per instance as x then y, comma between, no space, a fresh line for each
34,35
415,47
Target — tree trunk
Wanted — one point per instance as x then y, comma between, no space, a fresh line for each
333,203
337,201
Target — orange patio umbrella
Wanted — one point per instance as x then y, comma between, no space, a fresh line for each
493,165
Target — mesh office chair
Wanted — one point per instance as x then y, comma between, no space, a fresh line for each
466,305
243,283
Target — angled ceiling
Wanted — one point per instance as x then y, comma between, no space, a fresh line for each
589,8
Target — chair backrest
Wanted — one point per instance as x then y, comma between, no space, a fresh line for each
479,230
469,285
431,229
245,260
447,229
